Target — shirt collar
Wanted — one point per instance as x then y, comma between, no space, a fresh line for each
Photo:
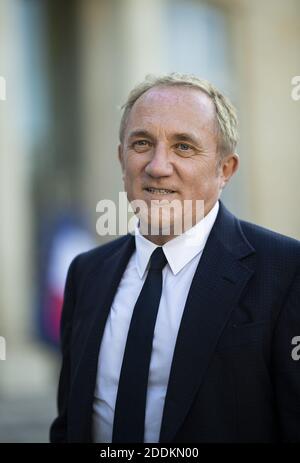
180,250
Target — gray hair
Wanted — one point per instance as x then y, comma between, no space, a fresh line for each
226,116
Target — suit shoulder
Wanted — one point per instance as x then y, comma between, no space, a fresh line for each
87,261
269,241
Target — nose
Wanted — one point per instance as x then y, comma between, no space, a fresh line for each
159,165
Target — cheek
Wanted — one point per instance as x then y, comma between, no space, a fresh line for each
200,179
133,172
133,164
195,173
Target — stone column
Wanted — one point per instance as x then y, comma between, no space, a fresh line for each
26,368
266,43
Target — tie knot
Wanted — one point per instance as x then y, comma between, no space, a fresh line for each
158,259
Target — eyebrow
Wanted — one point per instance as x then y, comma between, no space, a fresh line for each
176,137
140,133
186,137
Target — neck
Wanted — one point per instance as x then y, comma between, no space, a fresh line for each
160,238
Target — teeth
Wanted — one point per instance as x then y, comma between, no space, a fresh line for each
160,191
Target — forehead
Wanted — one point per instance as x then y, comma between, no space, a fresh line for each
173,108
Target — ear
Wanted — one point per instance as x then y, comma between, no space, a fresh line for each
121,157
229,166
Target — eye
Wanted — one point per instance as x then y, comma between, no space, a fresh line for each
140,142
140,145
184,146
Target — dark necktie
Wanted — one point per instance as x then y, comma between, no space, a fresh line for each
130,406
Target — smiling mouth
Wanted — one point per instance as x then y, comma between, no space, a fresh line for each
159,191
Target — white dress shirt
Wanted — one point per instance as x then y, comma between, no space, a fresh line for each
183,255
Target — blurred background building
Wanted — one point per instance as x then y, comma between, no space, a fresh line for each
68,66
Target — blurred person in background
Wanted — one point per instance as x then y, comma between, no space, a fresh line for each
168,340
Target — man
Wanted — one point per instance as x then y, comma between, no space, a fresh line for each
181,337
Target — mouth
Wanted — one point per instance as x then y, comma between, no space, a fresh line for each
159,191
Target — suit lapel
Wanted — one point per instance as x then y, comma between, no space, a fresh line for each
102,285
216,287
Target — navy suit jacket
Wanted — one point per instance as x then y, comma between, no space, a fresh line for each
233,377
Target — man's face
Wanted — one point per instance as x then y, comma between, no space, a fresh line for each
169,149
